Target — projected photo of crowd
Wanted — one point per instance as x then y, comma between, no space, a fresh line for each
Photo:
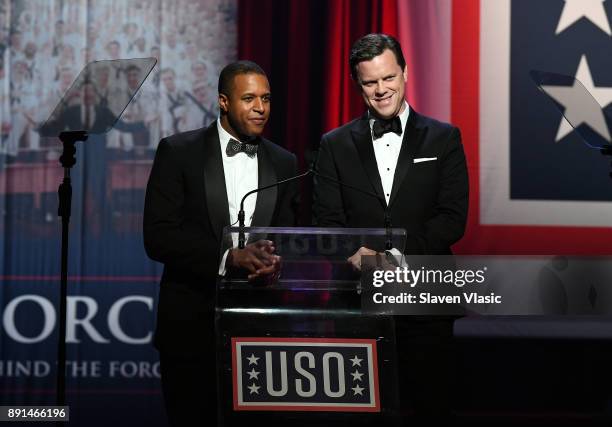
43,48
44,45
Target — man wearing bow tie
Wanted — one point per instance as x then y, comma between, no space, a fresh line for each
417,166
196,184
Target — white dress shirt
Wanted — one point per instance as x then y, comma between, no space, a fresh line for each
386,150
241,176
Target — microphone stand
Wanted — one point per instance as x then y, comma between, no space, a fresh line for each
67,160
313,171
241,237
383,202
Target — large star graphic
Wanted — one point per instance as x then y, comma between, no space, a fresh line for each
579,107
593,10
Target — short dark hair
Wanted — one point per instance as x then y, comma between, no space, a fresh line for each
226,78
372,45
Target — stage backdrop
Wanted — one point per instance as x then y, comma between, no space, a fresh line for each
113,370
535,188
535,185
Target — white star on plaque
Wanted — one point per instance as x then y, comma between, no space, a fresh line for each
357,390
252,360
356,375
356,361
253,374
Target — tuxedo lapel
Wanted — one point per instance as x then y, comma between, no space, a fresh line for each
411,143
266,199
362,138
214,181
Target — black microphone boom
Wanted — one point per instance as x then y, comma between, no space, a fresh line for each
312,170
383,202
241,238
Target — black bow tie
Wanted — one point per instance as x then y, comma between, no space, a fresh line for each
234,147
382,126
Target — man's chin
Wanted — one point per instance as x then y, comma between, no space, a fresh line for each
387,113
252,133
255,129
255,132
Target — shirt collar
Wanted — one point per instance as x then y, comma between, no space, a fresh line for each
403,117
224,136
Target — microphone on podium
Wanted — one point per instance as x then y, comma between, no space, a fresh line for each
383,202
313,170
241,237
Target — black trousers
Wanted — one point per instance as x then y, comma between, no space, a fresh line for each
425,367
189,386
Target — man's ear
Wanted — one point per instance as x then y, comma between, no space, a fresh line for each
405,73
223,103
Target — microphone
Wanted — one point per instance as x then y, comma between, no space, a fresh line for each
241,237
383,202
312,170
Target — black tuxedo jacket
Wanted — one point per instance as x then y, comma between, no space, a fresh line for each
185,211
429,198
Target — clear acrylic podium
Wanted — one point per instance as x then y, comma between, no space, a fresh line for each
300,350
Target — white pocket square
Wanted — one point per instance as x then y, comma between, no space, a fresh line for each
425,159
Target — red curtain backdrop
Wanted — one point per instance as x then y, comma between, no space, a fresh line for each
303,46
347,21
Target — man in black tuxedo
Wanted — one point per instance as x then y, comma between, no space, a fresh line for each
194,191
417,166
415,163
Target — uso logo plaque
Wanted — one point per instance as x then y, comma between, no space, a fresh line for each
305,374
